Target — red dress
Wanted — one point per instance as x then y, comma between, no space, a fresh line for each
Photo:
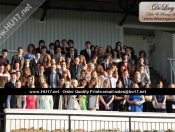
31,102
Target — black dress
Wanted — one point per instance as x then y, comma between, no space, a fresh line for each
169,102
106,98
148,105
119,106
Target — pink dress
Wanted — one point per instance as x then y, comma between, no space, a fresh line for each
31,102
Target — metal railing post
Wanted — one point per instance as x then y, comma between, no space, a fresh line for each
69,123
129,124
5,122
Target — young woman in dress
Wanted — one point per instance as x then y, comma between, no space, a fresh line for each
42,80
170,101
94,75
89,70
83,61
60,101
31,102
116,57
106,101
93,99
114,71
68,62
133,71
148,105
99,69
46,62
16,67
160,100
100,55
83,74
45,101
109,51
67,79
7,70
30,53
119,100
135,101
26,73
72,102
83,99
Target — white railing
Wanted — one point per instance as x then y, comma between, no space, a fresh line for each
172,69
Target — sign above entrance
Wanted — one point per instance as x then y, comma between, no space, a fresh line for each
157,11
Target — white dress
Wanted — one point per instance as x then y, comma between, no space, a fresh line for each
92,101
73,103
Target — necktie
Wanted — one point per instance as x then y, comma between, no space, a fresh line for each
126,82
110,82
106,65
19,58
89,53
13,84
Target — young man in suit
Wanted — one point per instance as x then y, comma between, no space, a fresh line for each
125,63
41,43
40,73
30,81
33,63
146,68
71,44
88,53
18,58
16,101
126,81
3,58
58,54
76,69
144,76
51,50
132,57
72,53
53,77
65,49
112,80
106,63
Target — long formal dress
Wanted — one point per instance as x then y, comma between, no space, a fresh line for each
106,98
133,107
148,105
31,102
92,101
160,99
170,103
45,102
120,105
59,102
84,102
73,103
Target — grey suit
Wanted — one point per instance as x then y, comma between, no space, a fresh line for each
16,58
56,57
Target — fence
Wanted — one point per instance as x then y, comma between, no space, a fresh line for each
80,121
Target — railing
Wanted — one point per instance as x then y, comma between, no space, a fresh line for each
99,122
172,69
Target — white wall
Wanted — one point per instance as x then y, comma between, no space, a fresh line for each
164,50
99,28
138,43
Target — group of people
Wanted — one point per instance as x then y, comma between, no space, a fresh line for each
61,66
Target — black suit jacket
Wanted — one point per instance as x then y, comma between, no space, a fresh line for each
122,63
129,82
74,49
62,52
6,61
38,50
15,58
48,77
133,59
104,67
25,86
48,52
86,55
75,55
7,85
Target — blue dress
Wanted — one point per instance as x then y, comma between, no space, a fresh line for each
133,107
160,99
106,98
